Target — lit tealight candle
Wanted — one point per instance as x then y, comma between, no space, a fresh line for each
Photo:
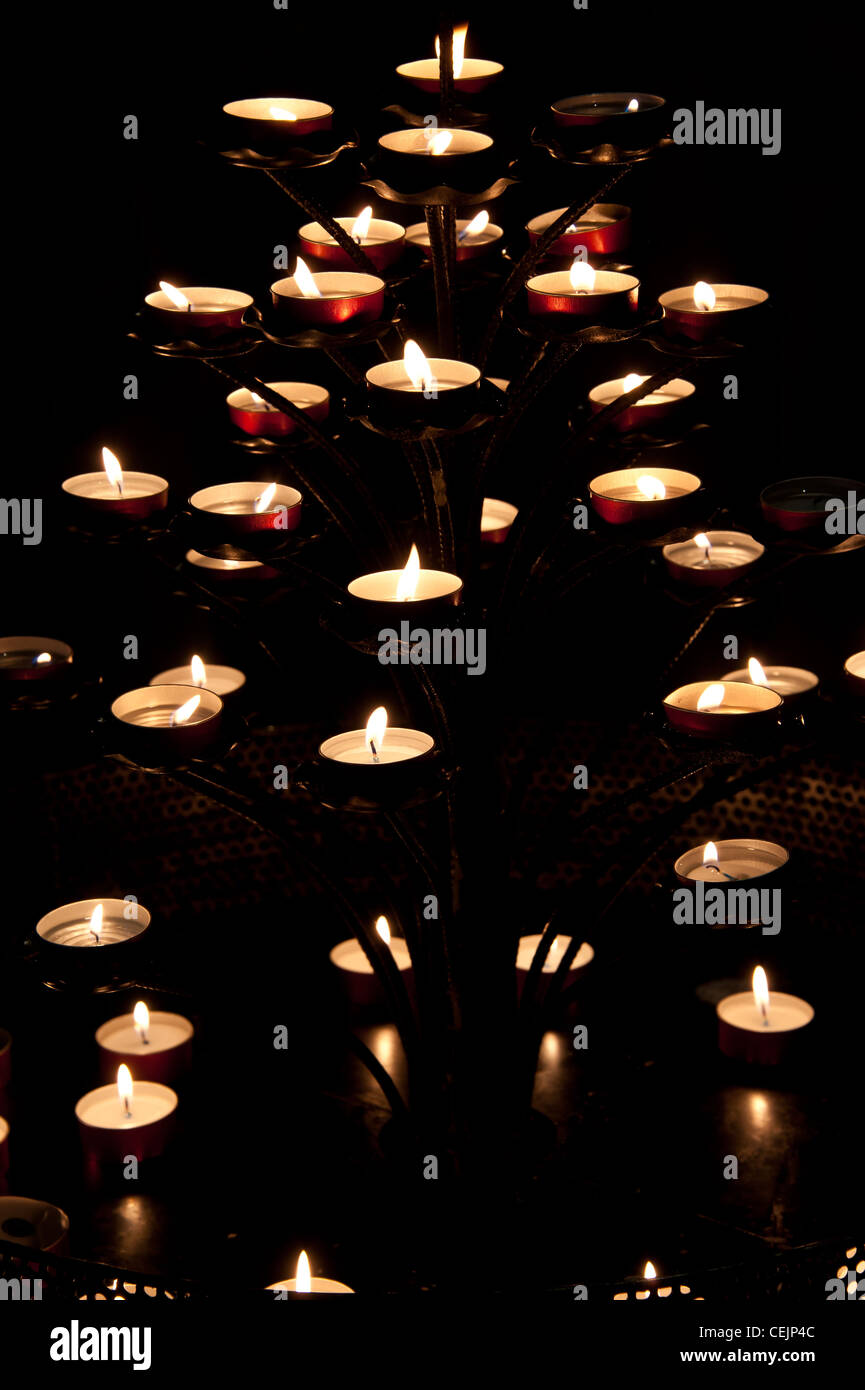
222,680
240,508
359,981
34,659
635,494
497,518
117,492
469,74
304,1282
381,240
377,744
712,557
256,416
605,228
649,409
328,299
130,1117
157,1046
475,237
280,118
707,707
583,292
414,160
854,673
93,923
167,721
723,861
410,585
527,950
705,311
625,111
421,390
759,1026
789,681
201,307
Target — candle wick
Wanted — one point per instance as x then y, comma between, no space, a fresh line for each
127,1113
95,936
373,750
734,878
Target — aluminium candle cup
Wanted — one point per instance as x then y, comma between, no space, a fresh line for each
347,297
264,421
604,229
471,248
256,123
358,981
222,680
528,945
19,660
798,504
383,244
106,1135
66,943
407,163
615,296
228,509
682,318
476,74
617,499
854,674
743,1036
745,710
497,518
142,495
598,118
658,405
731,556
793,683
141,723
165,1057
346,769
393,400
36,1225
214,311
745,859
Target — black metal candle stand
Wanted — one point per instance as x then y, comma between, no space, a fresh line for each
311,152
492,404
439,195
272,325
331,785
714,349
460,116
150,331
566,150
547,328
116,740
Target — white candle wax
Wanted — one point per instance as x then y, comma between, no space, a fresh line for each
222,680
316,1285
727,297
728,550
381,586
98,486
213,562
239,499
350,956
399,745
331,284
103,1108
785,1013
74,924
472,70
270,109
741,859
786,680
380,232
528,948
672,391
419,143
497,515
418,234
164,1032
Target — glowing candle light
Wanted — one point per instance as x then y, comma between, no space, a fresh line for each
304,1282
711,698
582,276
184,711
141,1019
408,581
305,280
761,1025
264,499
96,923
361,225
704,296
376,727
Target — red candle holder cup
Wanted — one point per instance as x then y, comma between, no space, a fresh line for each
603,230
264,421
854,674
618,500
143,729
745,860
5,1058
374,595
229,508
104,1143
614,297
345,297
497,518
212,311
165,1058
682,318
732,555
35,1225
800,504
143,494
473,248
449,399
658,405
599,108
475,75
257,121
383,244
745,708
40,660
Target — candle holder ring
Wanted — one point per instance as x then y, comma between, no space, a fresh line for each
492,401
126,744
459,116
234,343
332,787
439,196
563,151
316,151
272,326
687,350
546,328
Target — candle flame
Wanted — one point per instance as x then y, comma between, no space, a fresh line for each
361,224
710,853
458,48
198,671
406,585
416,365
440,141
141,1019
632,381
582,276
633,104
256,399
551,962
760,987
702,540
302,1282
184,711
711,698
264,499
177,297
305,281
383,930
650,1272
704,295
95,922
756,672
376,727
42,659
281,113
478,224
124,1086
111,464
652,488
